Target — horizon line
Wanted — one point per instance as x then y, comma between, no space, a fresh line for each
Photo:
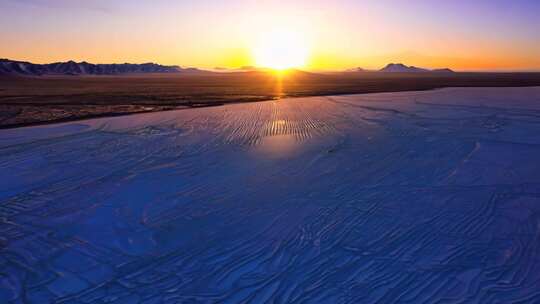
251,68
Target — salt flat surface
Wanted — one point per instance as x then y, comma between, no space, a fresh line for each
418,197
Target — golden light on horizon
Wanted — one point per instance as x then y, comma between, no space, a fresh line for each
281,49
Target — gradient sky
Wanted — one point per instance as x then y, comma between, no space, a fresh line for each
460,34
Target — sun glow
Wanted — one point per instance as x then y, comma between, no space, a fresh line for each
281,50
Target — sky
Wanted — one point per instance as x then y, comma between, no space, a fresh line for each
340,34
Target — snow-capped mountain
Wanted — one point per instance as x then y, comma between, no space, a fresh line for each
11,67
401,68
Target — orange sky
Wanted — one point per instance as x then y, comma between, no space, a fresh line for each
341,34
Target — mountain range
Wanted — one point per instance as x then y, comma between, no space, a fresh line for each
23,68
11,67
401,68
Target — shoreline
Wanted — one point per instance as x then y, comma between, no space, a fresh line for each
186,106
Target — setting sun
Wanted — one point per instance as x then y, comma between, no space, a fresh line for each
280,50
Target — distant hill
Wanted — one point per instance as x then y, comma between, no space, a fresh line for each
11,67
445,70
401,68
358,69
246,68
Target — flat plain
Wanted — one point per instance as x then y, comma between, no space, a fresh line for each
37,100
